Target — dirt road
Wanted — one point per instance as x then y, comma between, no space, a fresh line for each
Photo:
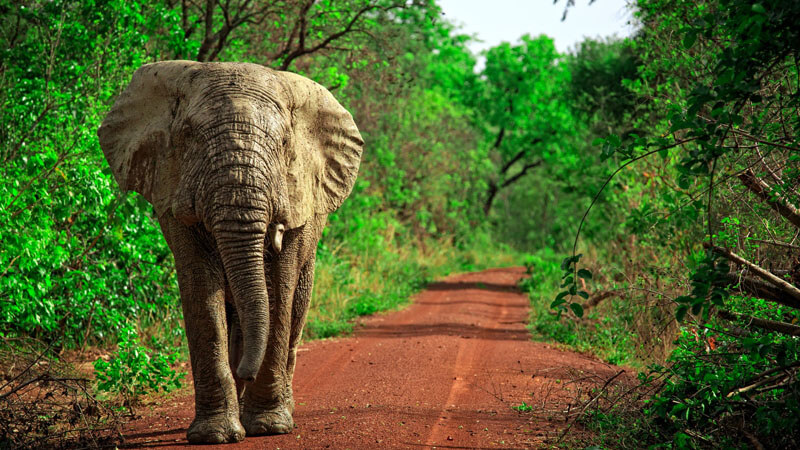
443,373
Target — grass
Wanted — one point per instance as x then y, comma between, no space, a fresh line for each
634,328
349,285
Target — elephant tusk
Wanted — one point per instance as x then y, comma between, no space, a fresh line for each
277,237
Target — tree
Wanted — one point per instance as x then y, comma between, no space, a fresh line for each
284,30
521,109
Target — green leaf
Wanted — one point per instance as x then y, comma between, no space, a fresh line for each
559,300
689,39
758,8
585,274
577,309
680,313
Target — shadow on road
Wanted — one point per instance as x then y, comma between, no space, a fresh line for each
444,329
161,438
465,285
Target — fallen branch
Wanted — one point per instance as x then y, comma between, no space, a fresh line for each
760,289
755,385
600,296
766,324
759,271
587,404
777,244
776,202
773,370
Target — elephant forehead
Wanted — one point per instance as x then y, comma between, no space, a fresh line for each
238,114
233,80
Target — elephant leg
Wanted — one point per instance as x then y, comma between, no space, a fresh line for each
265,409
302,298
201,282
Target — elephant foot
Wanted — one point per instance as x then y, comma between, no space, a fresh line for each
275,421
216,429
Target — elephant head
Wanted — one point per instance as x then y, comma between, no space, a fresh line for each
241,149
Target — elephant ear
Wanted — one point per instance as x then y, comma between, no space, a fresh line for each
324,151
135,135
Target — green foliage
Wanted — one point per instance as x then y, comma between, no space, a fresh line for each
599,74
77,256
134,370
570,280
703,135
706,395
522,407
609,336
708,288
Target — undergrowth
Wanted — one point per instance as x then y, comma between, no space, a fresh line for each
610,337
382,277
46,403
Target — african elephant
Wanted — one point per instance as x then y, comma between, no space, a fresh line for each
242,165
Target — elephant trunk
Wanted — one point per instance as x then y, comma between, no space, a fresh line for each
236,196
242,256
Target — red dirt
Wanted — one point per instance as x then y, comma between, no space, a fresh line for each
442,373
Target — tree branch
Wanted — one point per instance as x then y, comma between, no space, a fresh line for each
521,173
500,137
766,324
516,157
761,141
763,191
760,289
302,50
600,296
760,272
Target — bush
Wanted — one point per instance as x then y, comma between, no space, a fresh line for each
134,370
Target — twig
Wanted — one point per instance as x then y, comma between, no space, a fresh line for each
777,244
589,403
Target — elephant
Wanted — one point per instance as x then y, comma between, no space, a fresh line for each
242,165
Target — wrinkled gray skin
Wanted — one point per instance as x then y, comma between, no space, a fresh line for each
242,165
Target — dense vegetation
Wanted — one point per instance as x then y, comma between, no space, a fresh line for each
699,278
673,154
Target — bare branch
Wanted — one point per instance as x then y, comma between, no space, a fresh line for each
766,324
761,141
600,296
763,191
760,289
521,173
760,272
348,28
775,243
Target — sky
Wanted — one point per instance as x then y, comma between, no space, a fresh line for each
495,21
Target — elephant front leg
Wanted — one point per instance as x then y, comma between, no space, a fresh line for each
302,298
201,282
